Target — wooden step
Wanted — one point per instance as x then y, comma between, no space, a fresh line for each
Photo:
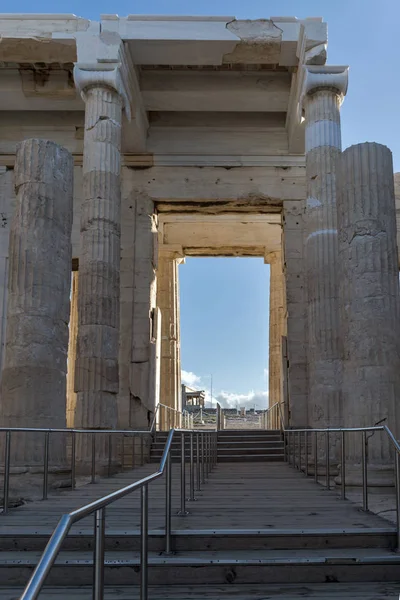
193,568
324,591
186,540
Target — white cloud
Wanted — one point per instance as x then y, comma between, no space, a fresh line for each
190,379
232,400
225,398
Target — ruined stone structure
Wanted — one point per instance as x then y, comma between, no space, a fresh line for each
196,136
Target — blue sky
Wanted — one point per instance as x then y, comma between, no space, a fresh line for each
225,301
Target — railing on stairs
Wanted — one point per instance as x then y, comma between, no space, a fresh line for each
296,439
202,459
272,417
166,418
113,439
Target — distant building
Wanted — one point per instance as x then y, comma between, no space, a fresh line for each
192,399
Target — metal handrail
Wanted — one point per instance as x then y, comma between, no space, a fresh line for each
73,432
204,444
181,414
290,444
278,407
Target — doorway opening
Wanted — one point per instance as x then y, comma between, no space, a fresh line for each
224,328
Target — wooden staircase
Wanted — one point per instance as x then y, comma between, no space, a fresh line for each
257,530
233,446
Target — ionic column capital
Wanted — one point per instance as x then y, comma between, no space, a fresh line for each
103,61
325,78
89,76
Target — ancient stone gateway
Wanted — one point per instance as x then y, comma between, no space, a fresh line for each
195,137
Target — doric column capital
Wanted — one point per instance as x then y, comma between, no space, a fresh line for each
325,78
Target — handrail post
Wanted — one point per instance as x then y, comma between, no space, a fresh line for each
306,451
398,497
7,456
343,467
168,489
191,471
327,464
208,455
46,464
203,475
316,457
364,470
299,449
284,446
73,459
293,450
198,474
144,518
183,510
93,479
98,554
109,454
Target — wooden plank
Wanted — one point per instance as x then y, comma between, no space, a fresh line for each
238,496
327,591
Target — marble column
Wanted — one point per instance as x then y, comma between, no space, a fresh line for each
33,383
369,301
168,302
324,89
7,206
276,328
96,369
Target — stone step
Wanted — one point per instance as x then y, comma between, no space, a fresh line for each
193,568
317,591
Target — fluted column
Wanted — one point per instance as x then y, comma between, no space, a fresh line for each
369,299
276,327
33,384
96,370
324,88
168,302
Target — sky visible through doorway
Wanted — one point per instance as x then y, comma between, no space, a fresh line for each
363,34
